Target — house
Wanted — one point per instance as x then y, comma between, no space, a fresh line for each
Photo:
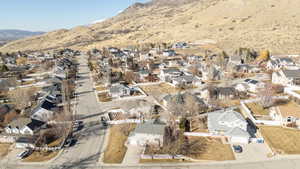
229,123
16,126
5,84
286,77
278,63
180,45
219,93
169,53
169,73
245,68
186,80
25,142
119,90
194,59
148,132
254,86
44,111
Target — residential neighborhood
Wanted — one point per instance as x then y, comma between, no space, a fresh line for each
148,105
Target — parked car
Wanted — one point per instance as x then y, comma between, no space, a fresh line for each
70,142
24,154
237,148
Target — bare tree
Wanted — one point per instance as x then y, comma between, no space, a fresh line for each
266,96
22,96
129,77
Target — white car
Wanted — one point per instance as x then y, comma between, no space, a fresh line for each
24,154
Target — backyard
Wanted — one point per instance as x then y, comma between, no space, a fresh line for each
116,150
282,140
290,109
162,88
257,109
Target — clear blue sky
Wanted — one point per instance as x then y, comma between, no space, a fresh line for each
46,15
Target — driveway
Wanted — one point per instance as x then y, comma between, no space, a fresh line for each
132,155
253,151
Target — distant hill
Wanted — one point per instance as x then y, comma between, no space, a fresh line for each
13,34
258,24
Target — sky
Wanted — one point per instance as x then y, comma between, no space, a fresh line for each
47,15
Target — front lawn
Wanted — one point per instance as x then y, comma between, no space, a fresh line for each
104,97
116,150
41,156
282,140
162,88
214,150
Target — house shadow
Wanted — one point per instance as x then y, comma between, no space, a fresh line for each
251,128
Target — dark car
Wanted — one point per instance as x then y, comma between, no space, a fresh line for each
70,142
237,148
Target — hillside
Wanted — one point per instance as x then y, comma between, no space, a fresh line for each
259,24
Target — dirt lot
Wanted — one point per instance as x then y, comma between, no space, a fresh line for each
116,149
162,88
257,109
215,150
4,150
282,140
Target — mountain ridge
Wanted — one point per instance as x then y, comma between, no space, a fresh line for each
267,24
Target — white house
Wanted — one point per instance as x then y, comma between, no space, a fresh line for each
169,73
253,85
169,53
286,77
229,123
148,132
25,142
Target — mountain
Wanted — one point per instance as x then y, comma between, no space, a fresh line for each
13,34
258,24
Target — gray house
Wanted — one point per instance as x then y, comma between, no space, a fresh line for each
119,90
229,123
149,132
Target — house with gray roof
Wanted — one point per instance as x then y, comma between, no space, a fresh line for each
229,123
287,77
119,90
148,132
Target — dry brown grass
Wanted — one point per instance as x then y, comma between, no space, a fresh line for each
56,143
161,161
116,150
282,140
257,109
101,88
104,97
39,156
4,150
215,150
162,88
290,109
